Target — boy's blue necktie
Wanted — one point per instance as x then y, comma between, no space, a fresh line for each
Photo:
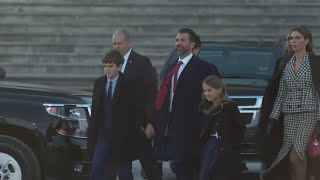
110,91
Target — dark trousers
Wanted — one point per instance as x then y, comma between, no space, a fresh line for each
102,165
209,159
185,170
152,168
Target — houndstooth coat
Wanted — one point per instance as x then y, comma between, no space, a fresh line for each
298,99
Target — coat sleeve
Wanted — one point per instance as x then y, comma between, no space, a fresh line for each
92,123
150,83
269,96
239,125
318,98
277,108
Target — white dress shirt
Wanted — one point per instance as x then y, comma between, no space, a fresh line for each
185,61
114,84
125,57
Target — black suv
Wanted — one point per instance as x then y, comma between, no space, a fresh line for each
245,68
42,132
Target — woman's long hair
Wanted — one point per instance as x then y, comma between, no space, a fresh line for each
306,33
215,82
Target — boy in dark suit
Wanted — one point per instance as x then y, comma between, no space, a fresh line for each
114,140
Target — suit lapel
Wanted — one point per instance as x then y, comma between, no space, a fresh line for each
186,71
169,69
117,88
303,70
128,67
102,88
100,91
293,75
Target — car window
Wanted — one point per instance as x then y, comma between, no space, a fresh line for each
241,62
234,60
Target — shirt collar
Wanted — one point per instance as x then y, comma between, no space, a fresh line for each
126,56
186,59
113,80
305,57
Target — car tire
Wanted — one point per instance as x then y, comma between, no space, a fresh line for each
17,160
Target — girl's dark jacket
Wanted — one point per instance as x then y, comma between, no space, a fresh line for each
230,128
270,143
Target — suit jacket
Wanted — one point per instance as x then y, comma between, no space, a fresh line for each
269,146
296,90
184,124
140,70
126,136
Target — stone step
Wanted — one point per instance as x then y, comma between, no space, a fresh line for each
171,37
52,76
88,68
137,39
74,80
84,40
155,30
70,59
72,48
83,81
61,42
163,2
148,39
157,41
53,68
65,58
135,21
159,10
152,31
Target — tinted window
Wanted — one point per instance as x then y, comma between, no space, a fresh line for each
236,60
243,62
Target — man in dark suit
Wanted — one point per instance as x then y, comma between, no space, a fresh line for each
114,140
139,69
178,121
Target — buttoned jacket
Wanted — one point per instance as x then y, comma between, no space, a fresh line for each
297,91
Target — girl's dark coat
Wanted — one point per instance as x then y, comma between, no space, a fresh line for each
230,128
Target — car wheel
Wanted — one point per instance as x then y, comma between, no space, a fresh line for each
17,160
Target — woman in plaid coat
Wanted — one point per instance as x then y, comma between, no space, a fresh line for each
296,83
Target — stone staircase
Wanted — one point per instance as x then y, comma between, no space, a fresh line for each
61,42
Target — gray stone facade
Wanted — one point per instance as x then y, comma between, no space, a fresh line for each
46,41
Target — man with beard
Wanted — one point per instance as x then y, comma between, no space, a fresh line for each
178,121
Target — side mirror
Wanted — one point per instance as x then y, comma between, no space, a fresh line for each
2,73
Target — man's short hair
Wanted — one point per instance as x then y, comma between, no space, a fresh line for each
125,33
113,56
197,42
192,34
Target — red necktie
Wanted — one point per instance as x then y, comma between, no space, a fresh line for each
164,88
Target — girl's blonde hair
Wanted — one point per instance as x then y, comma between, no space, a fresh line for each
216,83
